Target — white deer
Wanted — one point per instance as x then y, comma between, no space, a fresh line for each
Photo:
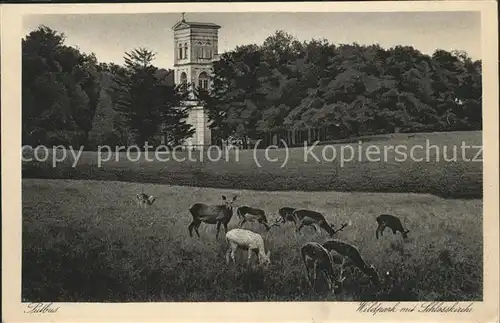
247,240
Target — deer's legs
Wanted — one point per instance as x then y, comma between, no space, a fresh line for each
306,264
308,276
316,226
249,256
197,225
340,280
242,219
190,228
315,268
256,252
380,228
225,227
301,225
328,279
228,253
342,269
233,252
218,228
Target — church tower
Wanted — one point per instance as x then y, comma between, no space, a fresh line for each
195,49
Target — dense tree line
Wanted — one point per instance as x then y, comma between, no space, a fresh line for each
60,90
295,90
331,91
69,98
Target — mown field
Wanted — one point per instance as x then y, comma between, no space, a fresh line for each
425,173
85,240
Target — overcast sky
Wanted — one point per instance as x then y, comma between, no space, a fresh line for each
110,35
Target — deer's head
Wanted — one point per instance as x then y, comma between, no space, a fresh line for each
265,258
374,277
338,284
151,199
335,285
275,224
332,228
229,203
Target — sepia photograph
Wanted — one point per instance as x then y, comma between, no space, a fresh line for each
187,154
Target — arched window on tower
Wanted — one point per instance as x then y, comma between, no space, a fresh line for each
208,50
203,81
199,50
180,51
183,79
185,50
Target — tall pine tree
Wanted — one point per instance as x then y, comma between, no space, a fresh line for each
149,105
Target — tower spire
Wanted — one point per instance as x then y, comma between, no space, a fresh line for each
183,17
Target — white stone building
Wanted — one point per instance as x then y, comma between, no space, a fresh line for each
196,46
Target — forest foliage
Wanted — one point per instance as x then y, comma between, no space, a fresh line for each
60,90
350,89
69,98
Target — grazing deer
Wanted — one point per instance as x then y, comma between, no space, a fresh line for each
250,214
286,215
386,220
249,241
143,199
349,255
211,214
317,220
313,253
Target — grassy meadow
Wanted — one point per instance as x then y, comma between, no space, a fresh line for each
84,239
425,173
87,241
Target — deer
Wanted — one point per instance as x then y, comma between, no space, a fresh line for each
250,214
317,220
142,199
285,215
348,254
211,214
315,255
387,220
249,241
